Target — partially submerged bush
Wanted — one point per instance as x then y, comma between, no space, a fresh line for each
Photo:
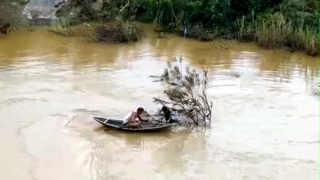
61,27
118,33
186,94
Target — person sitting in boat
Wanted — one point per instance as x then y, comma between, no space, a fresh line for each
133,118
167,114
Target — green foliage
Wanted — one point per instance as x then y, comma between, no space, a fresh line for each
272,23
86,13
22,2
211,14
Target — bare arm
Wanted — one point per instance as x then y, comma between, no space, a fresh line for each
143,120
133,117
140,118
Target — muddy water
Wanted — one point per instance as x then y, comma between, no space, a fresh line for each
265,123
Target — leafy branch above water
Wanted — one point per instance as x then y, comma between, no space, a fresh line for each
186,93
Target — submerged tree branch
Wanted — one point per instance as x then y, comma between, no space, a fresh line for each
186,93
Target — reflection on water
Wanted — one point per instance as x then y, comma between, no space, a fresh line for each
265,110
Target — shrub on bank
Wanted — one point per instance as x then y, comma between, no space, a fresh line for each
61,27
119,32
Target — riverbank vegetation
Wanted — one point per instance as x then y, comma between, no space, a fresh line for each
110,33
118,33
290,24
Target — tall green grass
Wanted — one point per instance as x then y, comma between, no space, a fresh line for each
61,26
278,31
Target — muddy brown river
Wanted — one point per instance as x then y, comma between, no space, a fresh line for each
264,126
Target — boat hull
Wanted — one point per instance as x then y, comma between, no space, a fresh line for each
144,127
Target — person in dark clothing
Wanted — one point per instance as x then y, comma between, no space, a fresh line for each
167,114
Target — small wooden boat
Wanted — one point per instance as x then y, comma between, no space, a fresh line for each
143,127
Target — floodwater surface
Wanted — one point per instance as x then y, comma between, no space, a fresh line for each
264,126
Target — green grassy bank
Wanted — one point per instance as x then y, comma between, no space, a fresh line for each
287,24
